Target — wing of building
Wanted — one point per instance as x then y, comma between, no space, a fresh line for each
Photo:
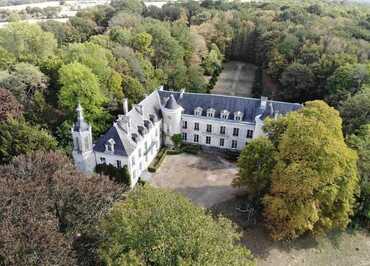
219,121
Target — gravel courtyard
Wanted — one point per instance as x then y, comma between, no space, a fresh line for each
204,178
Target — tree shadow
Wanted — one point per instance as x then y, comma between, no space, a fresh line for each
254,235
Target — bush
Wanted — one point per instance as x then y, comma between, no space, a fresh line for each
153,167
191,148
119,175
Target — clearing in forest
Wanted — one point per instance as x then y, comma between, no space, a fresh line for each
236,79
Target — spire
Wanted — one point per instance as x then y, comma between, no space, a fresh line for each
80,125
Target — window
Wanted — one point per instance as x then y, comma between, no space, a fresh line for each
102,159
119,165
133,161
196,126
198,111
222,130
209,128
222,142
77,145
110,145
236,132
208,140
139,152
184,136
196,138
141,166
238,116
224,114
156,132
184,124
234,144
210,112
249,134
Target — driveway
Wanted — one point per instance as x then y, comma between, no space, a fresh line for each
205,178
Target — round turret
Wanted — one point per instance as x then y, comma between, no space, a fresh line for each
171,112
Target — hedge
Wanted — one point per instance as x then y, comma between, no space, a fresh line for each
119,175
153,167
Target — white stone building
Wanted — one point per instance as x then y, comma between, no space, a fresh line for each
220,121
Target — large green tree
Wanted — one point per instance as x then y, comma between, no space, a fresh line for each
157,227
255,164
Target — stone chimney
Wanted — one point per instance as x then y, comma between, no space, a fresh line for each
182,91
125,106
263,102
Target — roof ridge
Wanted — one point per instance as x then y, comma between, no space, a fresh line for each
230,96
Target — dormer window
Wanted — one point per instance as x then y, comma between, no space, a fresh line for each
238,116
110,145
198,111
225,114
211,112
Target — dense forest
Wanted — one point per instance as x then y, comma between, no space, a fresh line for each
304,51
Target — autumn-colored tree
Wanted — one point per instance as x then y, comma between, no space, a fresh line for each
158,227
315,179
47,206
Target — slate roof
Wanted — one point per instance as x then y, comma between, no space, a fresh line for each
250,107
141,117
171,103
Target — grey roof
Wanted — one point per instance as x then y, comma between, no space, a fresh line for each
112,133
141,116
171,103
250,107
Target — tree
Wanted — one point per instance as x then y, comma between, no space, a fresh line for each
133,90
355,111
9,106
27,42
297,83
78,83
213,61
24,82
361,143
6,59
18,137
255,164
141,42
134,6
48,208
314,180
346,81
157,227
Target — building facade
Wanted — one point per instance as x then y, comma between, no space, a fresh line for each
220,121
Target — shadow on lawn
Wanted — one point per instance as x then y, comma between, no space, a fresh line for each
254,235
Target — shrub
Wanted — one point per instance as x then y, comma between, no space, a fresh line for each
153,167
191,148
119,175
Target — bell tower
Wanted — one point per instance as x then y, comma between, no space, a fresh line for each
83,155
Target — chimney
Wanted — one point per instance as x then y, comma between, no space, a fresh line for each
263,102
182,91
125,106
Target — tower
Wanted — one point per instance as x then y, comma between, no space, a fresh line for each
83,155
171,111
